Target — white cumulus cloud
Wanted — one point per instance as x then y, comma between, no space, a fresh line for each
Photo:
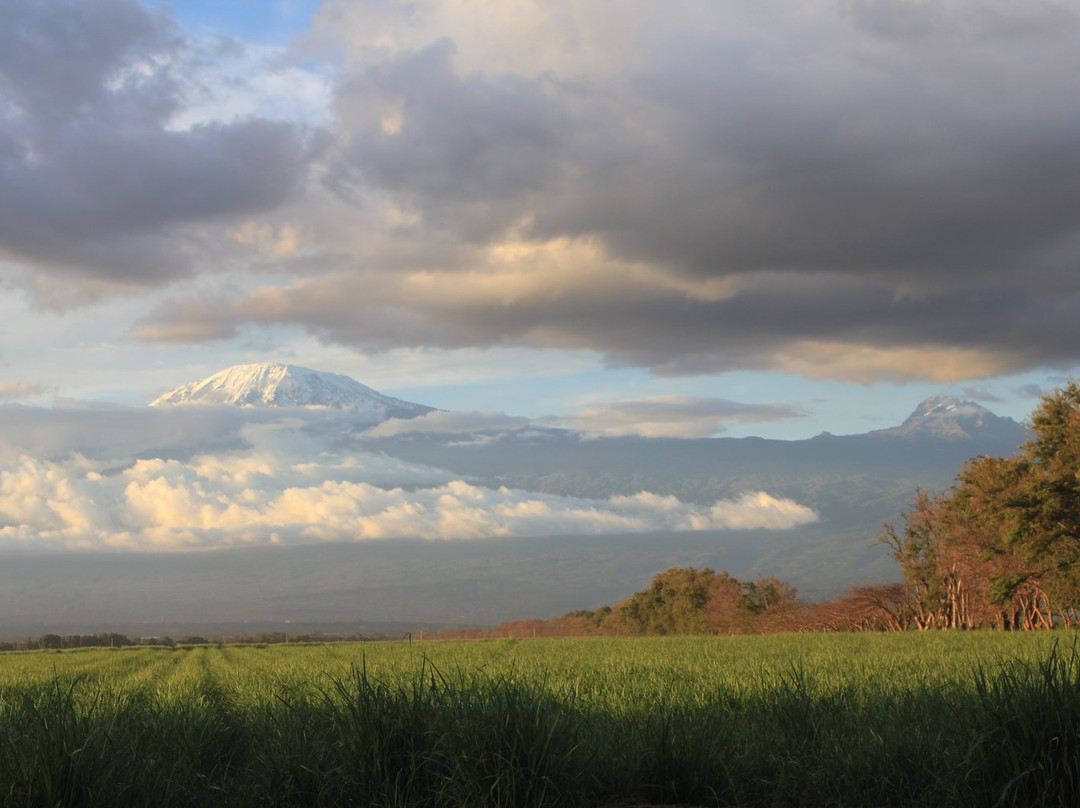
285,482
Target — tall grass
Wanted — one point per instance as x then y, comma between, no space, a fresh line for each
928,720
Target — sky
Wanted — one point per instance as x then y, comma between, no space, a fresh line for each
692,218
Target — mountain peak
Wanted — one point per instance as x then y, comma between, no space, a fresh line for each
272,384
956,419
946,407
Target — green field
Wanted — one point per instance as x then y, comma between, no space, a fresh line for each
976,719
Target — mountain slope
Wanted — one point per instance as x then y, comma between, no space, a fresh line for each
270,384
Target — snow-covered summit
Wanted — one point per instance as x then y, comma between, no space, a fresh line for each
950,417
270,384
947,407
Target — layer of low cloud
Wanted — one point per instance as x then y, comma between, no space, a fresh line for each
853,189
243,478
669,416
442,422
10,391
984,396
1031,391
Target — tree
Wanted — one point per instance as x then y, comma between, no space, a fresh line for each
879,607
1053,530
765,594
692,601
673,604
990,514
1003,545
919,550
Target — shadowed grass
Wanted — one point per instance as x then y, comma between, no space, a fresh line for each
219,728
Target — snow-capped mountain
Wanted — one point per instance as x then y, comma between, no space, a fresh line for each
270,384
949,417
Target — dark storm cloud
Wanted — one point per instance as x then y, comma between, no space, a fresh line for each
881,176
57,58
92,180
820,147
777,320
877,139
856,188
468,151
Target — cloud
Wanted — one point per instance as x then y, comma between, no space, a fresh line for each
16,390
204,322
1031,391
823,327
444,422
750,511
712,188
466,152
852,189
285,478
107,432
981,395
669,416
98,184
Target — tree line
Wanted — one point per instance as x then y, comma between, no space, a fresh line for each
55,642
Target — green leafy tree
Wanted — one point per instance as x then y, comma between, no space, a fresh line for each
1053,528
674,603
692,601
